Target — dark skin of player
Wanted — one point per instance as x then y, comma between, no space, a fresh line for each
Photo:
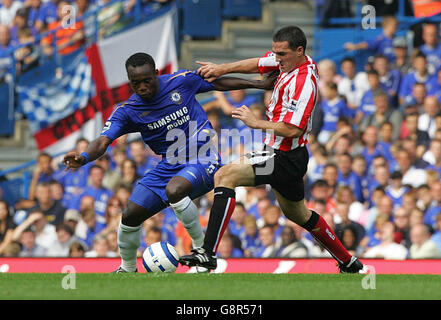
144,82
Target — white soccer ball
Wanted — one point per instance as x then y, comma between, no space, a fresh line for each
160,257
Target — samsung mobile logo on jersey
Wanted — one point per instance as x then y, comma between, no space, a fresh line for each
167,119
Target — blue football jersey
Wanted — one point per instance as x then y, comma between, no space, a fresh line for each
173,123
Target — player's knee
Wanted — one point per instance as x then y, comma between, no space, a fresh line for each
132,217
225,177
175,192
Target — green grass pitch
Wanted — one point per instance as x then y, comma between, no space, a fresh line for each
217,286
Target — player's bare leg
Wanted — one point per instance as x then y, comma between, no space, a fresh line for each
297,212
177,191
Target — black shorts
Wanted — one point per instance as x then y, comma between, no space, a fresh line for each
282,170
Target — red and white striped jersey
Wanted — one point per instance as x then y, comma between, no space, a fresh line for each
293,100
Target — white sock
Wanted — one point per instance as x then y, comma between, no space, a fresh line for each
129,239
188,214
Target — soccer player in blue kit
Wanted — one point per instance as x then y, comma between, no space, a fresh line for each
173,124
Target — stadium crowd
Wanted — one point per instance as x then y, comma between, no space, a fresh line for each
374,170
22,22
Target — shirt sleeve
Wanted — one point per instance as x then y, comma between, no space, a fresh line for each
301,101
198,83
268,63
117,124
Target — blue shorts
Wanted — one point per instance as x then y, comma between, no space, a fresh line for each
150,190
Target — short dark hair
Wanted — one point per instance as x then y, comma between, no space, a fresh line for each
294,35
140,59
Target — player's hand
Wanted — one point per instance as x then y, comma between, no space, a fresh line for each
244,113
209,71
72,160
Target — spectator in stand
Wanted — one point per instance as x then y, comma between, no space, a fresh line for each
29,247
333,107
100,194
111,18
342,210
436,236
420,74
367,104
52,209
272,218
388,248
395,189
112,240
435,207
236,225
435,87
100,248
250,239
65,237
113,214
47,15
383,43
140,155
6,43
359,167
426,120
411,175
346,177
402,61
330,175
43,172
76,250
402,227
21,24
117,158
267,248
7,226
384,112
320,190
71,218
35,9
349,240
226,248
431,47
111,178
152,236
353,85
288,246
328,73
434,156
410,130
67,40
345,194
45,233
389,78
422,246
8,9
82,7
371,146
87,227
123,193
129,175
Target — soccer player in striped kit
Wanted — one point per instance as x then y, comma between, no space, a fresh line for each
283,162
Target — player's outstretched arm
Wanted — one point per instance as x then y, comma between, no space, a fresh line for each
232,83
96,149
211,71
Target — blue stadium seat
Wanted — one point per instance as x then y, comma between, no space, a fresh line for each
242,8
202,18
7,118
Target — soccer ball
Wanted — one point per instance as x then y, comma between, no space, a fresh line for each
160,257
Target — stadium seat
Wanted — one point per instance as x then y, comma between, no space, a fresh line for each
242,8
202,18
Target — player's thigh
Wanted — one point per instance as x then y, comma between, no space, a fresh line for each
178,188
143,204
237,173
295,211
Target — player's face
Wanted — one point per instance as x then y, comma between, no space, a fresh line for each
144,81
287,58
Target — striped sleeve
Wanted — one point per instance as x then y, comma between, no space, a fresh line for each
268,63
301,99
